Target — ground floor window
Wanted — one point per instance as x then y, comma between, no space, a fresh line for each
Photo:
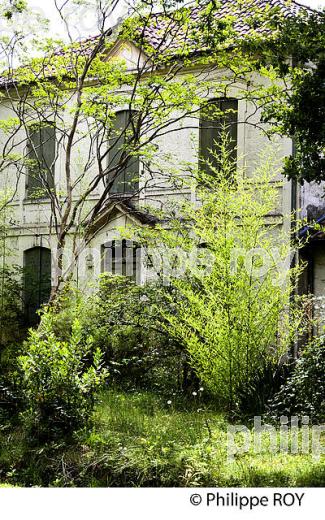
37,281
122,257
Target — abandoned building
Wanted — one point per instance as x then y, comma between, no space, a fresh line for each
32,244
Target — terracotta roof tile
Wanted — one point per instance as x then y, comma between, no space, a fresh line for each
241,12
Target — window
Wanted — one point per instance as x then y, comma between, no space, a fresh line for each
122,257
126,180
41,151
212,125
37,281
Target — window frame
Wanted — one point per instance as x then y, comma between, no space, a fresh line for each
128,264
129,175
37,188
216,125
35,297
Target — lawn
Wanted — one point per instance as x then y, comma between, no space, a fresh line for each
142,439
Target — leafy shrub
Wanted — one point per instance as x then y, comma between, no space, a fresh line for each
125,322
12,333
11,315
231,304
60,381
304,391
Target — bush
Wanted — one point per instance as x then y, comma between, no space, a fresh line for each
231,291
60,381
125,321
304,391
12,333
11,315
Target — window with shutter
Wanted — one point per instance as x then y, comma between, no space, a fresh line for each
121,257
125,179
217,116
41,154
37,281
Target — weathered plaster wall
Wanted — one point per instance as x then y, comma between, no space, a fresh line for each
312,200
175,149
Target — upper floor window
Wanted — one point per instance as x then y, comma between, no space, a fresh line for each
41,154
126,177
217,117
122,257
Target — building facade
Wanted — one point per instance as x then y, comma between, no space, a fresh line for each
32,244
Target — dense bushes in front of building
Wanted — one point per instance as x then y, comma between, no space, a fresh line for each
136,385
303,393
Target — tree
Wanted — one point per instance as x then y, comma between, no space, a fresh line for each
299,110
63,106
229,266
11,316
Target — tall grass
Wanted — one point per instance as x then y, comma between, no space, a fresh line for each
141,439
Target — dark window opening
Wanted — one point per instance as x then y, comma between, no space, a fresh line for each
37,281
217,117
41,154
126,178
122,257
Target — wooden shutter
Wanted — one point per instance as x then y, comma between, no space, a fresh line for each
37,281
230,121
127,179
42,153
211,128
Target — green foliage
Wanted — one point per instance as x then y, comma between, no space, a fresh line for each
299,111
9,9
12,333
60,380
303,394
125,322
11,315
231,307
10,282
143,440
139,439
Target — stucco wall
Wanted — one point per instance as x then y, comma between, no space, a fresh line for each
175,149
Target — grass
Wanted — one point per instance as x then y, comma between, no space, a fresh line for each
141,439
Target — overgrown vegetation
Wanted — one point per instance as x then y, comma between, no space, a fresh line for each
59,382
137,385
141,439
189,354
125,322
12,330
231,279
303,394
